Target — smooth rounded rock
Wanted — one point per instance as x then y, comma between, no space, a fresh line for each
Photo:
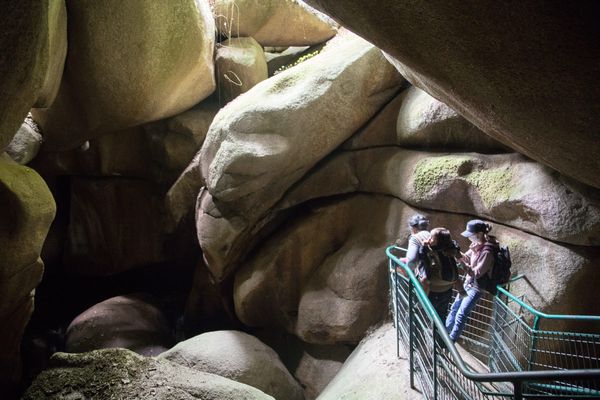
129,63
106,374
240,357
132,322
272,22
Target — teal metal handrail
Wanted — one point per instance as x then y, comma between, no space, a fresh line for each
540,314
518,378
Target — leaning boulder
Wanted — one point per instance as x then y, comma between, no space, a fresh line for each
121,373
240,357
501,72
129,63
132,322
272,22
265,140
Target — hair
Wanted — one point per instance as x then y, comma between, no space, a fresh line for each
444,238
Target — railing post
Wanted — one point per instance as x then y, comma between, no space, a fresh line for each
396,311
411,356
533,343
434,377
518,390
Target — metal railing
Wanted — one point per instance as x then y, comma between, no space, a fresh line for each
520,360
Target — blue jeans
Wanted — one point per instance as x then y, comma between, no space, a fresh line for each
460,310
440,301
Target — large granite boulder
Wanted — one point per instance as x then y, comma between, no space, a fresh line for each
414,119
27,211
120,373
322,276
115,224
265,140
240,357
132,322
272,22
129,63
33,42
373,371
240,64
497,65
507,188
172,143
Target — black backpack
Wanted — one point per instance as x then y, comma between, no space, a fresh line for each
432,262
500,273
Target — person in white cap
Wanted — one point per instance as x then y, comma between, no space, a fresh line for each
478,261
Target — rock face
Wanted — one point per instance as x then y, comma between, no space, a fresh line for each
373,371
122,153
240,357
317,366
240,64
507,188
106,374
515,89
172,143
414,119
250,154
126,213
34,44
26,214
130,322
164,67
272,22
322,277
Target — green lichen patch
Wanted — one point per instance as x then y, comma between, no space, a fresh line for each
493,185
432,171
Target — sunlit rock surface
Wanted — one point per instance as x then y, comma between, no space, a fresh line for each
272,22
129,63
132,322
513,71
240,64
106,374
33,42
27,211
265,140
240,357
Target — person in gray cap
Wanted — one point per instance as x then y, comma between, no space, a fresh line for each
478,261
419,234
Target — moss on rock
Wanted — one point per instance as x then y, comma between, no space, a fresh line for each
493,185
429,172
